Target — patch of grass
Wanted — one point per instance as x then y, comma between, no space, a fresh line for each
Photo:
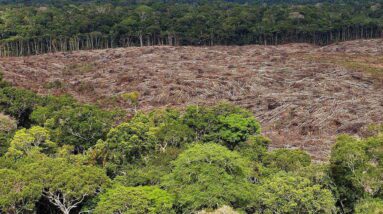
372,65
371,68
79,68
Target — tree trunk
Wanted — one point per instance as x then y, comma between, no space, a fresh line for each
141,40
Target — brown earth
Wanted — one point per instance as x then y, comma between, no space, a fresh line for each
303,95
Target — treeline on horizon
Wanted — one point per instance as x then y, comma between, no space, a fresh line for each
132,2
36,29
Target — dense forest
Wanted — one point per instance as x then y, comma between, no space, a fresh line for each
51,26
61,156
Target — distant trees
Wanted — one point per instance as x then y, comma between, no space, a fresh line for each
94,25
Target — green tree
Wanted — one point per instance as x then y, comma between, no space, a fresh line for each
170,130
49,106
287,160
285,193
369,206
67,185
355,168
150,171
80,126
318,173
7,128
224,123
132,200
144,14
209,176
17,194
254,148
25,140
126,143
18,103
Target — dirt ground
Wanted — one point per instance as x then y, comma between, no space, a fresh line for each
303,95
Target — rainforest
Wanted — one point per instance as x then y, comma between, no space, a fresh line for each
191,106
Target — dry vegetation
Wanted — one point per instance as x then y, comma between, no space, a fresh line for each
303,95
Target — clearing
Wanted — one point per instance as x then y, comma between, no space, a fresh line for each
303,95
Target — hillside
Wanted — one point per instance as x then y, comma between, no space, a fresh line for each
303,95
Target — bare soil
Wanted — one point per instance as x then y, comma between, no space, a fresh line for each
303,95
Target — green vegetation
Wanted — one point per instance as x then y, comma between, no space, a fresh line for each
283,193
134,200
66,157
371,65
369,206
209,176
50,26
61,156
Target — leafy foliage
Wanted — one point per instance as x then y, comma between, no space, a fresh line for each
373,206
63,156
284,193
7,129
287,160
209,176
18,103
80,126
254,148
224,123
17,194
66,184
26,140
140,200
76,25
356,167
127,142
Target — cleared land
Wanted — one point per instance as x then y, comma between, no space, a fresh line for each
303,95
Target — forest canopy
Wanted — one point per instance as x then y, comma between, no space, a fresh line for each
44,27
61,156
